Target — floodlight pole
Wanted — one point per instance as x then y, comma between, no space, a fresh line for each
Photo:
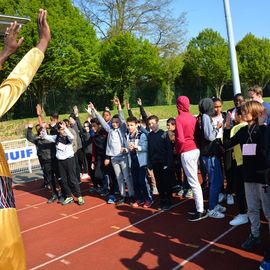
234,65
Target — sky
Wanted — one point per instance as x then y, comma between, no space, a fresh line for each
248,16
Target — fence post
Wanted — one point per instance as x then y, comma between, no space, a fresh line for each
29,160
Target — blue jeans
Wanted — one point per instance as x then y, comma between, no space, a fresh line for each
215,177
141,187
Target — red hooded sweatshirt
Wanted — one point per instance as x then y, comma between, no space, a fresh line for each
185,127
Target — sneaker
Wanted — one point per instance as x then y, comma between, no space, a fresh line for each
68,200
239,220
52,199
198,216
80,200
176,188
189,194
111,199
60,199
121,201
192,212
251,242
221,197
137,204
180,192
265,265
148,204
85,176
220,208
215,214
166,207
230,199
104,193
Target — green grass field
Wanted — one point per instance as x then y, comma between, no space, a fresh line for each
14,129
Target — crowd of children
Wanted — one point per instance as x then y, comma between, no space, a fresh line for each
129,160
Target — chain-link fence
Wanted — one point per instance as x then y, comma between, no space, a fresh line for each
21,156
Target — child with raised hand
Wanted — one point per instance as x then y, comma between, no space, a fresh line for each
137,146
117,150
66,162
252,138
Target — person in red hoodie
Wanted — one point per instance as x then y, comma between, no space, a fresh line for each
187,149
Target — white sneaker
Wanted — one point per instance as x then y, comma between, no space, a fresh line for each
221,197
219,208
230,199
239,220
85,176
215,214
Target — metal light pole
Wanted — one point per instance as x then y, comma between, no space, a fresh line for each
234,65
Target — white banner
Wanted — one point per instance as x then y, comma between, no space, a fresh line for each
21,154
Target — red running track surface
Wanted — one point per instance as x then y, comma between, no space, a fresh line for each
98,236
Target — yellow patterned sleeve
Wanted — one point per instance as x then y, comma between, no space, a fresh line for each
19,79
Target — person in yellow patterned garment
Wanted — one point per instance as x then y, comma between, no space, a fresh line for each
12,254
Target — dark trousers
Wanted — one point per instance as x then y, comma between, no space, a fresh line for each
163,180
110,175
48,171
67,170
226,161
77,167
178,176
82,160
239,188
141,189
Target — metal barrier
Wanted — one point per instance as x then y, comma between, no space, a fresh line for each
21,156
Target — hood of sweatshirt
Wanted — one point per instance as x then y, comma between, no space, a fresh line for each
182,104
206,106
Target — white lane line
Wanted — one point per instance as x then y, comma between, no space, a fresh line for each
104,237
30,206
59,219
202,249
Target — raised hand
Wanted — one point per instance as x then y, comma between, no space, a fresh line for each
43,30
91,106
127,105
139,102
76,110
39,110
10,38
116,101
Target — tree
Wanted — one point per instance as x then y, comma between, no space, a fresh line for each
150,19
125,60
207,56
72,58
254,60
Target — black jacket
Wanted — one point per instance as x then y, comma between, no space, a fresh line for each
254,167
45,149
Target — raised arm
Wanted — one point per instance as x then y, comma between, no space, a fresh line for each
103,123
29,133
22,75
142,111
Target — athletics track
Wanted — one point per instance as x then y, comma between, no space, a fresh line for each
97,236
